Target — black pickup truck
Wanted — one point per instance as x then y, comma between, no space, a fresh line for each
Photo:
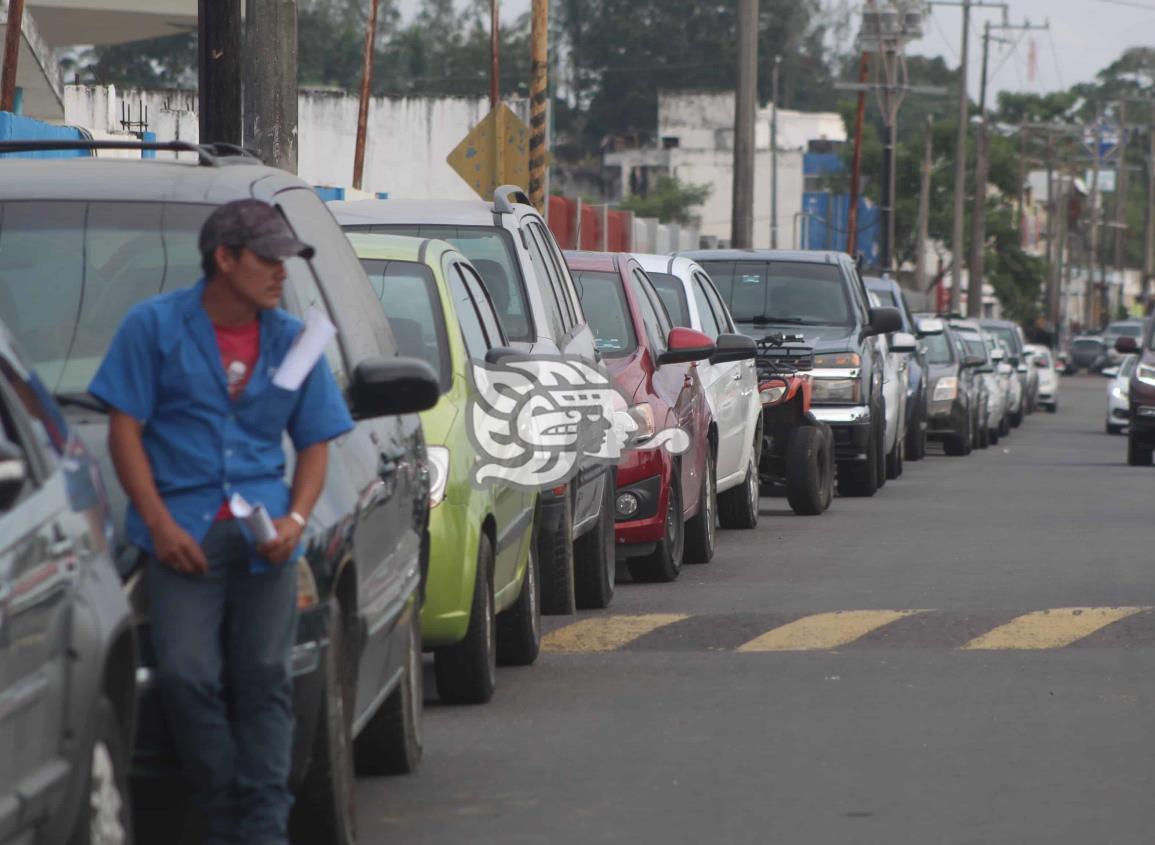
821,296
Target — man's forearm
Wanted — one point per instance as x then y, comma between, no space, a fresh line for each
134,470
309,478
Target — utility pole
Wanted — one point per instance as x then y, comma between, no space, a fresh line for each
363,110
494,54
1121,186
538,101
924,206
13,29
774,157
271,81
856,163
745,105
1020,207
1093,222
219,71
1149,232
1054,253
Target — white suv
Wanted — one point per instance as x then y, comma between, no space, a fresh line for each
731,387
510,245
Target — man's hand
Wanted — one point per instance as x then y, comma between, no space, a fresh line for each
278,549
176,548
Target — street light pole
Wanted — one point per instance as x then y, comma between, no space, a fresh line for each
494,54
774,157
960,166
979,212
745,105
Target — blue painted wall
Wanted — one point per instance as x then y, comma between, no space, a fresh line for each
828,213
14,127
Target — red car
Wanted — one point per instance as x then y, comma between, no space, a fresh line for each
666,504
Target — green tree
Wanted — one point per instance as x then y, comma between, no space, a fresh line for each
669,200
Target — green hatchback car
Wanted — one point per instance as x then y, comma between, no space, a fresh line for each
481,595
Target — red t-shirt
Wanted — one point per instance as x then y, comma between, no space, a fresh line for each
240,346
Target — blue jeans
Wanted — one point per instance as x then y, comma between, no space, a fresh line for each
223,643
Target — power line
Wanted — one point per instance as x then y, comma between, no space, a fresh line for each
1130,3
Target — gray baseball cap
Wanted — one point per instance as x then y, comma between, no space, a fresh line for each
253,224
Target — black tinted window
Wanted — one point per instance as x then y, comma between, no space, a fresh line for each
604,303
673,295
938,349
783,291
408,293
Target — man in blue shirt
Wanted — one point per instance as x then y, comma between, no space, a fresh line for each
194,418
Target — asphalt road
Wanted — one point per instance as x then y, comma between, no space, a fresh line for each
967,657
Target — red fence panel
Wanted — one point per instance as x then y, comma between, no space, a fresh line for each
591,227
563,221
620,235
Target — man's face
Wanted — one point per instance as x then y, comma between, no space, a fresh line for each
260,281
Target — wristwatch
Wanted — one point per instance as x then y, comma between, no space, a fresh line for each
297,518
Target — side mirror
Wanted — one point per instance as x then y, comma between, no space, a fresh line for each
733,347
998,355
971,361
930,325
385,387
884,321
13,473
1125,344
685,345
498,354
903,342
1041,363
1110,372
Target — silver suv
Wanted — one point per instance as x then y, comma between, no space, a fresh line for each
67,644
511,246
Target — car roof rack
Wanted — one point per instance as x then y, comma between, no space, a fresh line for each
505,196
209,155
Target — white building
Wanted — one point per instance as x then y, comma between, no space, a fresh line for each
696,145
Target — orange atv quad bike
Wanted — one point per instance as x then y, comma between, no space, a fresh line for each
797,449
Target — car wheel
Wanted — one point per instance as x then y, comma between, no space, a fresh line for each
1004,426
984,434
1052,407
466,673
958,445
894,459
807,465
104,817
594,561
993,436
881,463
665,562
392,741
323,811
555,557
519,627
1138,455
861,479
702,528
738,506
915,447
1017,418
1110,428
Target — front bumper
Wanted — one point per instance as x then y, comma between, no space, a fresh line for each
452,570
945,418
851,426
646,474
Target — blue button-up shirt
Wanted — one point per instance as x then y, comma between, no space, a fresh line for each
164,369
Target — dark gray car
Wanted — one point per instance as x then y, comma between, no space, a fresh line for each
67,645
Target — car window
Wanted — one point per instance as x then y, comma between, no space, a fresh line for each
721,315
973,344
551,294
673,295
408,293
567,298
15,434
604,303
1009,336
472,332
938,348
1125,329
484,303
785,291
705,310
653,325
664,321
1127,365
491,251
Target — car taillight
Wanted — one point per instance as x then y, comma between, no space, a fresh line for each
771,392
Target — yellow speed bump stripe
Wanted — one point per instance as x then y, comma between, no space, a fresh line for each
825,630
1053,628
606,633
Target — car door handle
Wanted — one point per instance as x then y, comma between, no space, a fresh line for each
737,376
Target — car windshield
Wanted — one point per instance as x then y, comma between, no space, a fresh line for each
1008,336
408,293
491,251
101,259
604,302
1125,329
1087,344
1127,364
974,344
793,292
673,295
938,348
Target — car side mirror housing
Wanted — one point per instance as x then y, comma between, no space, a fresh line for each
1041,363
883,320
999,355
1110,372
1126,344
928,326
733,347
500,354
13,473
685,345
384,387
903,342
971,361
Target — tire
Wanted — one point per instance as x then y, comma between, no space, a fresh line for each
1052,407
984,434
593,555
1004,426
894,459
807,462
1017,419
959,445
466,672
702,528
993,436
664,564
1114,429
915,449
323,811
555,557
738,506
519,627
392,742
1138,455
104,816
881,463
861,479
828,488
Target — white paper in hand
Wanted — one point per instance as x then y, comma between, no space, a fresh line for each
306,351
255,517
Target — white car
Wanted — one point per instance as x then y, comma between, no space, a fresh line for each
1044,364
895,349
1119,394
731,388
1003,387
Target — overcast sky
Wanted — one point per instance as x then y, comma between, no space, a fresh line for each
1085,36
